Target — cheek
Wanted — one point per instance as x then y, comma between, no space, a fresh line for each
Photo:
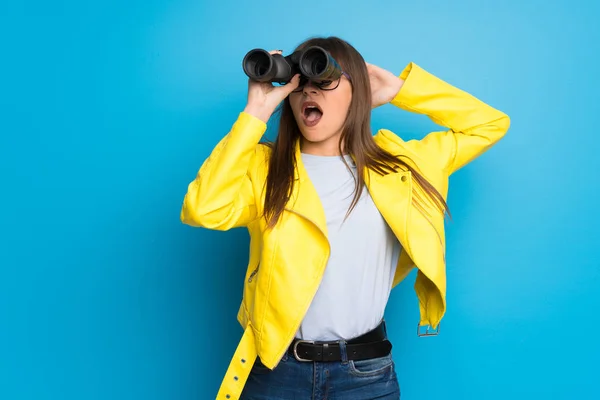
341,104
294,100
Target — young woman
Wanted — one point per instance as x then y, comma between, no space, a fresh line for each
337,217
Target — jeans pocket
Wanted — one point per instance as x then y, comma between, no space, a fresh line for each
260,368
372,366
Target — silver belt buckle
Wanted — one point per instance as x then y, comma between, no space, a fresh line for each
295,349
427,331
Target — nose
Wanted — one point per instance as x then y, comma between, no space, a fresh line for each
309,88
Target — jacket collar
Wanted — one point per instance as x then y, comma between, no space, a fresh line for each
304,199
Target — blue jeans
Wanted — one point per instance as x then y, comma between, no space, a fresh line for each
341,380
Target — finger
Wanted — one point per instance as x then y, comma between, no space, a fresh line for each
292,84
276,52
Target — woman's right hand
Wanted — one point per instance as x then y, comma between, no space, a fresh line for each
263,97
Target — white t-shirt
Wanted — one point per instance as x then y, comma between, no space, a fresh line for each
354,292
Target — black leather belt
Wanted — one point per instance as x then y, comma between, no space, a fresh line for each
370,345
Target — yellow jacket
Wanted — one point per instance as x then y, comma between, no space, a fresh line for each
286,263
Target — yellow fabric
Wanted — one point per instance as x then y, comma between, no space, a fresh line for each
239,368
286,263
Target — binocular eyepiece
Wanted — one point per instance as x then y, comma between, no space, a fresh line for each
314,63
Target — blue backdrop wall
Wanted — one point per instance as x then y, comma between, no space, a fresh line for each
107,110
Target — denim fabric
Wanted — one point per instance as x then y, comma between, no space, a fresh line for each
351,380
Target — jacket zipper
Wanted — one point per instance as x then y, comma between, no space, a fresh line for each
253,274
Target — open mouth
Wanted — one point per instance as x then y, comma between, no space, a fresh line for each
311,113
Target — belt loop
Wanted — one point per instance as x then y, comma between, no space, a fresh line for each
343,352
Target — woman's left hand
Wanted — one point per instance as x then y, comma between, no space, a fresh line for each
384,85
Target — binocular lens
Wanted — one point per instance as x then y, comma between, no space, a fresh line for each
317,64
257,64
313,62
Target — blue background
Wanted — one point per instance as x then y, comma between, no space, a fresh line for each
109,108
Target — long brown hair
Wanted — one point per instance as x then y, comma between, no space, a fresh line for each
356,138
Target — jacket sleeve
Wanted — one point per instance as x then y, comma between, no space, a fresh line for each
473,125
221,196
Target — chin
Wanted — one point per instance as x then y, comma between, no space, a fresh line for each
313,135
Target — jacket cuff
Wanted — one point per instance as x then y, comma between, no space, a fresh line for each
413,77
248,122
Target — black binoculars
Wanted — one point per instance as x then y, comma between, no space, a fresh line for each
314,63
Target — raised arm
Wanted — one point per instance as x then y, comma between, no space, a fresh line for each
221,196
473,125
